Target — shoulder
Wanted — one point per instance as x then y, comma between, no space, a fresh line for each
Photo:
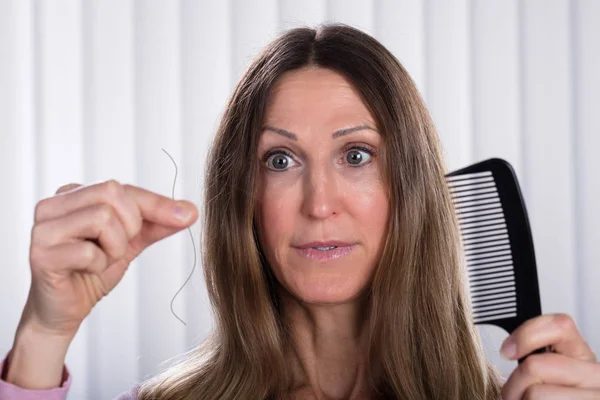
131,394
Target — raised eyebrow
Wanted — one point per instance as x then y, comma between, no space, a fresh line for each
345,131
336,134
287,134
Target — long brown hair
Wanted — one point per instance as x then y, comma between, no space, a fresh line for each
423,343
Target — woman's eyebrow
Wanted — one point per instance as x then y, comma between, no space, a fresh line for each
336,134
345,131
287,134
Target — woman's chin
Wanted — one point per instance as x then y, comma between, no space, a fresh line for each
326,294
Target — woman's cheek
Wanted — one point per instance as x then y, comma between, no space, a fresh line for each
278,200
366,197
363,181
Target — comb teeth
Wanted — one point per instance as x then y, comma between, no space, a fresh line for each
486,244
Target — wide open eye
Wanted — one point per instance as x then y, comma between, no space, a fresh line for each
279,161
357,156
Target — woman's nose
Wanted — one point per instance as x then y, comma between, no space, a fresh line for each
320,195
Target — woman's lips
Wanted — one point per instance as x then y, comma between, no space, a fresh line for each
325,255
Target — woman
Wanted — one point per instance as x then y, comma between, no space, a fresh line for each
331,251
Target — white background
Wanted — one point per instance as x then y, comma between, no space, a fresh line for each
93,90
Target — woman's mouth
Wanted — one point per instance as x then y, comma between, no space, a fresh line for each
324,251
325,248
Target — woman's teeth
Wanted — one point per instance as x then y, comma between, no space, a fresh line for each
325,254
325,248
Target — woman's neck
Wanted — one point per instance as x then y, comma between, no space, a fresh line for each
328,349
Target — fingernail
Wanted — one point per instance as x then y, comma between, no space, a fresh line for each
181,212
508,349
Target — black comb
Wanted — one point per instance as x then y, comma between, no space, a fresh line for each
498,244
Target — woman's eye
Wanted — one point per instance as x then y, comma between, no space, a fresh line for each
357,157
280,162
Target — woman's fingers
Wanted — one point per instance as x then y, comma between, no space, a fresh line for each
555,392
83,240
556,330
149,234
132,204
551,369
112,275
571,365
152,230
77,256
71,198
162,210
68,187
99,222
97,212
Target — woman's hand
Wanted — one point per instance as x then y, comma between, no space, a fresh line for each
82,242
571,371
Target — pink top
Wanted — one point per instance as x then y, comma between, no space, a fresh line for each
8,391
11,392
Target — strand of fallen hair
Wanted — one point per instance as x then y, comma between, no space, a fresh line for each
191,238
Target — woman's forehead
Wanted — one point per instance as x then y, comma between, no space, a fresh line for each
318,94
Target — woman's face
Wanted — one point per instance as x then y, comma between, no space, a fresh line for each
321,200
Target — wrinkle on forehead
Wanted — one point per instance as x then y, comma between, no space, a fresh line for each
319,84
315,98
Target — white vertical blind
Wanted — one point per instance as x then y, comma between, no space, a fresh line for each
403,35
495,81
448,87
548,147
158,125
254,24
18,161
110,153
293,13
358,13
91,91
206,84
60,136
585,132
496,104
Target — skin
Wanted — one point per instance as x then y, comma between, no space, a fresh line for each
70,273
320,196
571,371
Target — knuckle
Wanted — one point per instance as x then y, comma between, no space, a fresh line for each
533,392
530,366
138,224
37,258
565,322
40,234
89,251
35,235
112,188
118,250
137,214
40,207
104,214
